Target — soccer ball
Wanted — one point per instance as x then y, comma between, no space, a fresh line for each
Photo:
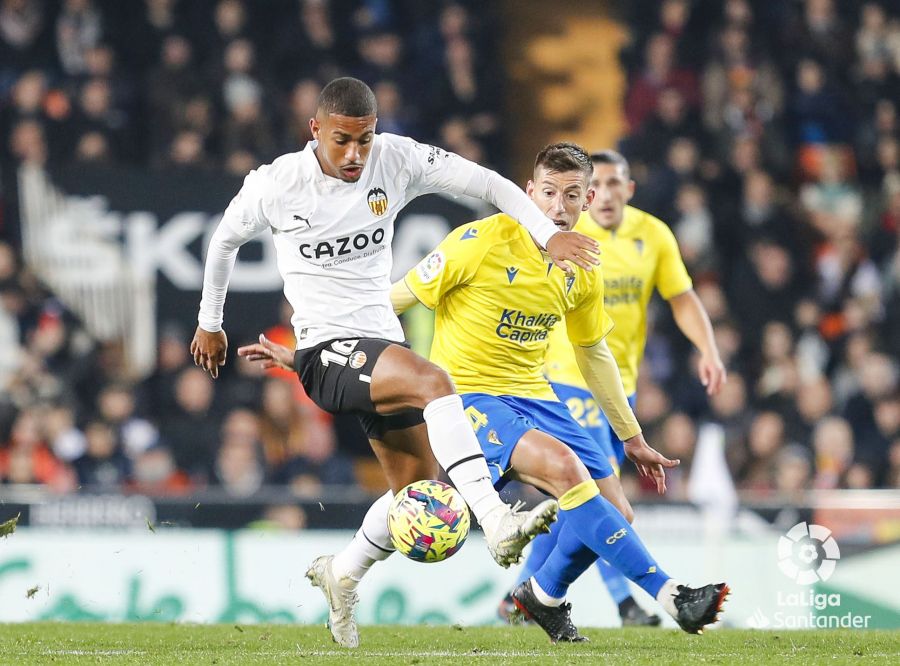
428,521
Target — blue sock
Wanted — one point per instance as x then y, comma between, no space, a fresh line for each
594,528
615,582
541,547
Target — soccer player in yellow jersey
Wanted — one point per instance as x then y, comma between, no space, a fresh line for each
497,302
497,298
639,255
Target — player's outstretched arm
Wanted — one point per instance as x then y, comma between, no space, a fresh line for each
269,354
454,174
601,373
692,319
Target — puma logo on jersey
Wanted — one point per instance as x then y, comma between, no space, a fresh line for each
511,273
300,218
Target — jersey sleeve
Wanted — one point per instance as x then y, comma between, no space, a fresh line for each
671,274
588,322
452,263
252,209
434,169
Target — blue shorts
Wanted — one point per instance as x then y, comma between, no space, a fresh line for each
500,421
587,412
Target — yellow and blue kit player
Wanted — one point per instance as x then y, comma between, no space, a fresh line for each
640,255
497,300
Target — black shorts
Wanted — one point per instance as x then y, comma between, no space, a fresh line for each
337,376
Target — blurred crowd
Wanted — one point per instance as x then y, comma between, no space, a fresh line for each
232,84
765,133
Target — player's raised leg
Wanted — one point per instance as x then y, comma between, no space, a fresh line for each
405,456
402,380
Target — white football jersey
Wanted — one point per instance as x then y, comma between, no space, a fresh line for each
333,238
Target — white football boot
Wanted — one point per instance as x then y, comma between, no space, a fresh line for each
516,530
342,600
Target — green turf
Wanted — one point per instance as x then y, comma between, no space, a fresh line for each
51,643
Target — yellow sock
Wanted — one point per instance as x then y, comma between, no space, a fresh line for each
578,495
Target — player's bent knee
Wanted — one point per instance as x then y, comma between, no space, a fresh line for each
568,471
433,384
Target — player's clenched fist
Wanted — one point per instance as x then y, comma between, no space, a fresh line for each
570,246
208,350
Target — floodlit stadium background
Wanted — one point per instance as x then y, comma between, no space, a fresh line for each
764,133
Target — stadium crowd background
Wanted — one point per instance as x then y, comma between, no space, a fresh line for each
765,133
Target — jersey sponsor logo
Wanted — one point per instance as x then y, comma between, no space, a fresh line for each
430,267
511,273
469,233
520,327
378,201
343,246
625,290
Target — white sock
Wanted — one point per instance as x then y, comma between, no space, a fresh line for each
666,596
458,452
370,544
543,597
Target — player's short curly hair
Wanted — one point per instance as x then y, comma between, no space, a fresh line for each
347,96
562,157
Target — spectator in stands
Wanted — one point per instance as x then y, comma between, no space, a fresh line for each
301,107
833,448
103,464
171,84
765,440
67,442
239,467
306,44
22,25
660,71
79,27
186,430
25,458
116,407
154,473
793,473
765,286
878,382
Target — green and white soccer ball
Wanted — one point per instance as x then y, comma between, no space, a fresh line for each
428,521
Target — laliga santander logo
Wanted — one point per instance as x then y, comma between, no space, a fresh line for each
808,553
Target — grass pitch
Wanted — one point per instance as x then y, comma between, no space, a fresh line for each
278,644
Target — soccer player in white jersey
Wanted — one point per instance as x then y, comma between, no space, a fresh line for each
331,208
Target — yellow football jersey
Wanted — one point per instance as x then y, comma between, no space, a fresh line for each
496,298
638,257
